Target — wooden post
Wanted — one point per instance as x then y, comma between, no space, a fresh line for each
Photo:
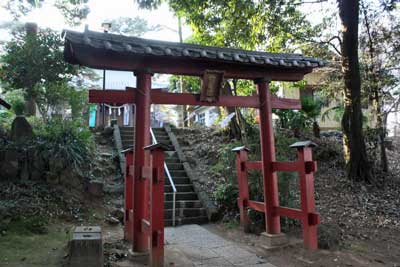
267,157
129,199
157,181
142,139
241,169
310,219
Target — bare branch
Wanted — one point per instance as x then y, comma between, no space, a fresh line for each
310,2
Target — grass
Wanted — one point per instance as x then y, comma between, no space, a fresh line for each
25,249
232,224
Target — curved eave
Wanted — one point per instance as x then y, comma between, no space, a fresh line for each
169,59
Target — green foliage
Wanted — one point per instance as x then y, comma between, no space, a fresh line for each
232,224
266,25
244,24
302,119
6,118
51,95
136,26
35,65
226,195
31,61
16,99
190,84
35,224
225,167
66,144
74,11
78,101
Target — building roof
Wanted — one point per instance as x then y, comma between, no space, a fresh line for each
111,51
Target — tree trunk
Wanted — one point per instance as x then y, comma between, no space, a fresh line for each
358,167
30,106
235,130
376,91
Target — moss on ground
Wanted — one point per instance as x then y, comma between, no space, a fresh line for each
25,249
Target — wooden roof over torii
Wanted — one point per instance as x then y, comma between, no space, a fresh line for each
118,52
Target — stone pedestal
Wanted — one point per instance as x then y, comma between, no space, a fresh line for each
86,247
274,240
138,257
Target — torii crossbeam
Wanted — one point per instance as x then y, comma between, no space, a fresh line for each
145,223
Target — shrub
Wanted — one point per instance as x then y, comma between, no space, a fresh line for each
16,99
66,144
226,195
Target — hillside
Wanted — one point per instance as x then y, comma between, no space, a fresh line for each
358,221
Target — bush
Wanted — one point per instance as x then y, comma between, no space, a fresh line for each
66,144
16,99
226,195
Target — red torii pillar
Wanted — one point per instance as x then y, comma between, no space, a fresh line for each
270,178
141,160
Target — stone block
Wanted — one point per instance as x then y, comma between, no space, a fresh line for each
21,129
86,247
274,240
138,257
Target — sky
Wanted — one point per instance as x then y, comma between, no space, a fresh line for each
103,10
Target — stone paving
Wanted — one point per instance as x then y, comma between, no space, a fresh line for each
193,245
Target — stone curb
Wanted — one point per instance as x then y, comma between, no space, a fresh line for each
118,146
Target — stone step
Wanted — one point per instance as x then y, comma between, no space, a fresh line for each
179,188
162,136
177,173
128,143
127,139
126,132
164,141
187,220
130,128
181,196
183,204
128,147
161,133
178,180
172,160
158,129
185,212
174,166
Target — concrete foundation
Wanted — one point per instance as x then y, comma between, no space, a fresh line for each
86,247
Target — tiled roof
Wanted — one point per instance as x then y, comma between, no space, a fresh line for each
140,46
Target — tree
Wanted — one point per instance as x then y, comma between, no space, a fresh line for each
358,167
35,64
132,26
380,55
74,11
262,25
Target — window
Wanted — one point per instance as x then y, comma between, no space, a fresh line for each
201,118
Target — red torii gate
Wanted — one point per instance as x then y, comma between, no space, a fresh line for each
144,199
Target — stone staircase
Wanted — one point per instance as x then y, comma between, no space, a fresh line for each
127,137
189,209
